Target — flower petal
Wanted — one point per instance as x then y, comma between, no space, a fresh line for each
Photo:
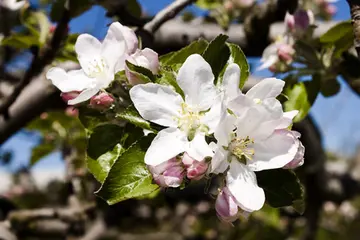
153,59
274,152
196,79
157,103
213,116
242,184
231,81
219,162
113,48
287,119
167,144
198,147
75,80
225,128
267,88
88,49
84,96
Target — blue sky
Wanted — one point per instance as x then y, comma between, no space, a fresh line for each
338,117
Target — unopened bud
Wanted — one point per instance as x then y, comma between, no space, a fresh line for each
168,174
101,101
226,207
72,112
146,58
303,19
69,95
195,169
330,9
290,22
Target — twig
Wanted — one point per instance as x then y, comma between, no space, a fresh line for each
355,20
166,14
39,62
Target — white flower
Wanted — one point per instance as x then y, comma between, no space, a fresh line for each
276,52
253,139
185,119
99,63
13,5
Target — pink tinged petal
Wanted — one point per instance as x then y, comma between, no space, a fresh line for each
167,144
219,162
299,157
196,79
274,152
242,184
231,81
289,21
88,49
226,207
187,160
198,147
157,103
267,88
153,59
130,39
113,48
84,96
75,80
131,77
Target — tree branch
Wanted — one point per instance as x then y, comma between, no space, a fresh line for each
355,20
166,14
39,62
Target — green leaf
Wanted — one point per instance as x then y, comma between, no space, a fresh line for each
168,77
101,166
20,41
129,176
180,56
217,54
282,188
301,96
309,53
140,72
131,115
337,32
237,56
91,118
103,139
44,26
40,151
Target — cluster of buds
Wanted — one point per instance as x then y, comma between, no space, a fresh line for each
101,101
173,172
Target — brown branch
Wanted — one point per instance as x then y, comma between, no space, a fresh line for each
39,62
355,20
166,14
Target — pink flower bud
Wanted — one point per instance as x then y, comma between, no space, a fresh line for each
168,174
286,52
194,169
299,156
44,116
229,5
146,58
303,19
69,95
72,112
101,101
226,206
290,21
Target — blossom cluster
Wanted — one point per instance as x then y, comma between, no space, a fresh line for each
209,127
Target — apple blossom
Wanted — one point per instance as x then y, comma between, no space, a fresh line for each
146,58
170,173
186,119
277,52
299,157
12,5
226,206
99,63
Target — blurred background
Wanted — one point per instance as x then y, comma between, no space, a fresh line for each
42,166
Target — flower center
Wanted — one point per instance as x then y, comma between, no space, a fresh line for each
96,67
189,121
242,148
